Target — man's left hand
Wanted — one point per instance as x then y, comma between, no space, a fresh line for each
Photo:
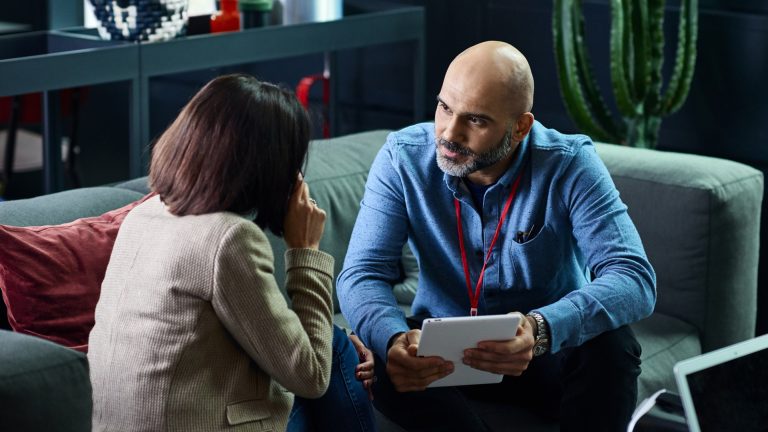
509,357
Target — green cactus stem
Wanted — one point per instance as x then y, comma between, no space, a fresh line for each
636,60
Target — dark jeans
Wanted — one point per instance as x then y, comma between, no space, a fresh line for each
592,387
345,405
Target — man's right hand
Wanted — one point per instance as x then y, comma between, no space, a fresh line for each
407,371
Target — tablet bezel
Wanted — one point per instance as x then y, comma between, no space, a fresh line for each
701,362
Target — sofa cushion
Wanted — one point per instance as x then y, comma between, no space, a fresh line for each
665,341
50,275
43,386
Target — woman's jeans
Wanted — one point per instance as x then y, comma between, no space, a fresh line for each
345,405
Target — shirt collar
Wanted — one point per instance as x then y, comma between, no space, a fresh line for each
517,163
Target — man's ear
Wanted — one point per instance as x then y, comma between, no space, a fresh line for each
523,126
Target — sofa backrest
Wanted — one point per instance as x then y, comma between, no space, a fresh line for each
336,172
699,220
66,206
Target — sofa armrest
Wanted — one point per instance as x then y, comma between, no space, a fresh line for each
699,220
43,386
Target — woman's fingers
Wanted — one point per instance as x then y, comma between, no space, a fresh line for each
304,221
364,372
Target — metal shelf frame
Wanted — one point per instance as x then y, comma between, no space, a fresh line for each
76,59
48,61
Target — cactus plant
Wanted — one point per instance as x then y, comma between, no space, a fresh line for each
636,57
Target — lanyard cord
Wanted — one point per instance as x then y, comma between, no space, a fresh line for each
474,297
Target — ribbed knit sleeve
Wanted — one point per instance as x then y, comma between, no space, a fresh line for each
293,346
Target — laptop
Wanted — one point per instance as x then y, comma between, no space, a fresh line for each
726,389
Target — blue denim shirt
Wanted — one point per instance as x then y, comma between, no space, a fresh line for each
582,267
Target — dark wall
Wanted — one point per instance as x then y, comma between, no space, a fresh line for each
725,110
42,14
33,13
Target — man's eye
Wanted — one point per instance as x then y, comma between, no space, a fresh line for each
475,120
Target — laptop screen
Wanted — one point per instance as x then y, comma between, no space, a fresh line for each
733,394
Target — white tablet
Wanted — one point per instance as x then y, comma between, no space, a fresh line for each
449,337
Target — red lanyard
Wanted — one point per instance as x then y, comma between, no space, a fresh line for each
474,297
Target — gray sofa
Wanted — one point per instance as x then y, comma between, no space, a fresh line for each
698,217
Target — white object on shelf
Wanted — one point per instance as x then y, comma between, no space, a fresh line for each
202,7
302,11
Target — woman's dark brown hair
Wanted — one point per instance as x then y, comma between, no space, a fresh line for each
237,146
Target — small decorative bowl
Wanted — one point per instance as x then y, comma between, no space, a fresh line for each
141,20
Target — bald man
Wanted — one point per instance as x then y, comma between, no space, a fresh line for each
566,255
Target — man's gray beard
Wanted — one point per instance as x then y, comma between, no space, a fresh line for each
476,161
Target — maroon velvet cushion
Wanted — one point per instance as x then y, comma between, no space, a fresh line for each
50,276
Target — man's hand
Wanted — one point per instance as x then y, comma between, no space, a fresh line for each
505,357
409,372
364,370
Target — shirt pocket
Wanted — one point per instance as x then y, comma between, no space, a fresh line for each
534,262
255,410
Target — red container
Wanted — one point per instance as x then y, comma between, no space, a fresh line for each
227,19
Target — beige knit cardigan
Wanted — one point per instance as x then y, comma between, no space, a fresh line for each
193,334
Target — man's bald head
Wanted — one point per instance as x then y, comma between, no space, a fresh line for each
495,65
483,111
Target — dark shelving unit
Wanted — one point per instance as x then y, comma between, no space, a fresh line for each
48,61
52,60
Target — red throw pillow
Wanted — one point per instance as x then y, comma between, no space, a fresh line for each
51,275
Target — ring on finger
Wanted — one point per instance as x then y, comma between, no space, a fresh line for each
312,201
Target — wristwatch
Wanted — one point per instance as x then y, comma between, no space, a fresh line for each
541,345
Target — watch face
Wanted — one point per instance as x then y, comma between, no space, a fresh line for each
540,348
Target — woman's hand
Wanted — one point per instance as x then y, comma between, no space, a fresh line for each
364,371
305,221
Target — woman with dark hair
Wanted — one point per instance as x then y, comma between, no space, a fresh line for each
192,332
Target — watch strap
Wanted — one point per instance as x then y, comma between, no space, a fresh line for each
541,344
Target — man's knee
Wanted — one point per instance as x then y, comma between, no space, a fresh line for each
613,350
601,375
619,344
434,409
